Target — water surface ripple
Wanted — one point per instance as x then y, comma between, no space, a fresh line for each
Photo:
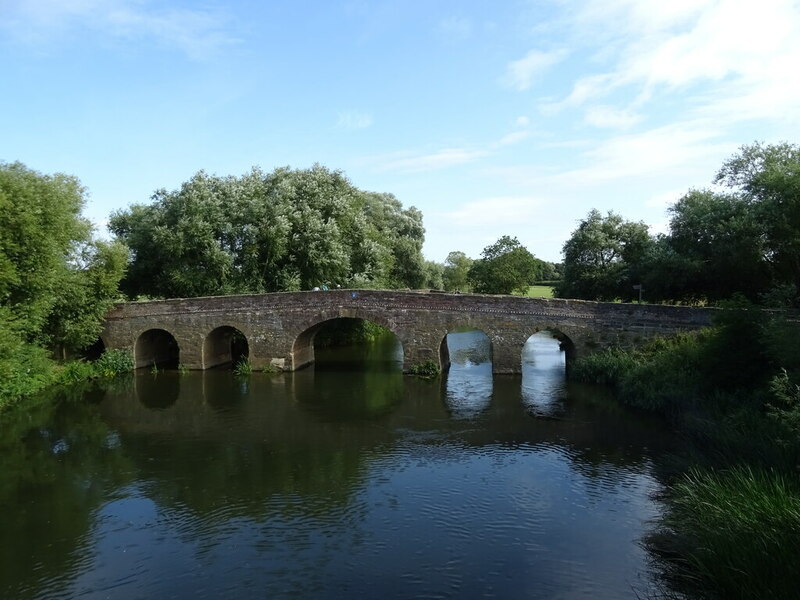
334,483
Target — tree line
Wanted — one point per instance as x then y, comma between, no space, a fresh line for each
294,229
741,237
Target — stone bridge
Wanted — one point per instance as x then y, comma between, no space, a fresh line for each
277,330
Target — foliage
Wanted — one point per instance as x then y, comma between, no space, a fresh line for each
25,368
721,248
113,362
732,390
740,238
456,271
263,232
427,370
600,258
434,275
504,267
243,367
56,281
345,331
742,528
87,292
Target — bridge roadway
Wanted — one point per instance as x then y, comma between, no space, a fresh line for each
279,328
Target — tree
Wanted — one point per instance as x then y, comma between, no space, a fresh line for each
504,267
767,180
434,275
603,258
265,232
56,281
456,271
717,241
40,223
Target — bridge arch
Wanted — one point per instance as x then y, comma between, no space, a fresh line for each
302,353
568,338
450,349
156,347
224,345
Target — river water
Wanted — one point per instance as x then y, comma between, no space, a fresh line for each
345,480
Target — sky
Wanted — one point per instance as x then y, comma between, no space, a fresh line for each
493,117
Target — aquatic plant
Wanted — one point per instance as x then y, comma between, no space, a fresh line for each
243,367
428,369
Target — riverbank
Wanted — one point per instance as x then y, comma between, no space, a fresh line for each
733,525
28,370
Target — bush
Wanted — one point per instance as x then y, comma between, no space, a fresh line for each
113,362
428,369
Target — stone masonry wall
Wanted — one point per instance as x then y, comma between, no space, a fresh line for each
279,327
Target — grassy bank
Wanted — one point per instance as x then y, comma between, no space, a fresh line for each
732,528
28,370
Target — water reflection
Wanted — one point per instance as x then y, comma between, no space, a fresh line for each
329,484
544,389
468,383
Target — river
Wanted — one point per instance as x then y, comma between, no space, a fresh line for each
344,480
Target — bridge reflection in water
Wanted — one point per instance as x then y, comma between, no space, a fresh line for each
367,481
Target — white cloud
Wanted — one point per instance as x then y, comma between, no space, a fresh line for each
442,159
199,33
511,211
604,116
729,44
354,120
520,74
514,137
522,121
656,151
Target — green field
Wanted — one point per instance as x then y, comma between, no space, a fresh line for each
540,291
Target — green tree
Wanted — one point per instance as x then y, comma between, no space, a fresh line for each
767,179
87,291
718,244
603,258
504,267
56,281
456,271
40,224
434,275
262,232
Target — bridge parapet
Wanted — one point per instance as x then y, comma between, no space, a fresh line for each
279,327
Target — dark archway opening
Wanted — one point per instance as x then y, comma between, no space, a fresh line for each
349,344
156,348
224,346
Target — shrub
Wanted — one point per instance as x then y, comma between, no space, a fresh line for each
428,369
113,362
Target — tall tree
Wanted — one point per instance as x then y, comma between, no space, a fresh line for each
56,281
718,239
603,258
262,232
456,271
767,179
504,267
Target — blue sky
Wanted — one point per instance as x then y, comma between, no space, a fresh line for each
492,117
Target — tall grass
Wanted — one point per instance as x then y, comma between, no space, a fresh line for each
738,531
